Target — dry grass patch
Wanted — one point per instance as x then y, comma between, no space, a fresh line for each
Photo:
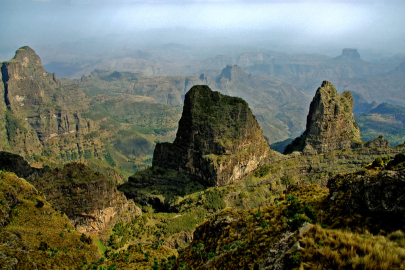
342,249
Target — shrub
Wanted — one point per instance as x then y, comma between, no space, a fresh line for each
225,248
257,215
211,256
182,265
287,180
294,260
298,220
214,200
262,171
43,246
310,212
378,162
39,204
233,247
264,225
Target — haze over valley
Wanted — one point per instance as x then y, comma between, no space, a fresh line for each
220,134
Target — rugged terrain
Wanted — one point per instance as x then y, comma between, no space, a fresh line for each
218,141
50,122
89,200
215,198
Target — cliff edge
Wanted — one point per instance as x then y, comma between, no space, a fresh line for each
218,141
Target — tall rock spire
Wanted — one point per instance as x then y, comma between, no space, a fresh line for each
330,123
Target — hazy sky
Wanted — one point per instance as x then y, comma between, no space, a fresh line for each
375,24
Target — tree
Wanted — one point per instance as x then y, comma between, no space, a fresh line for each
287,180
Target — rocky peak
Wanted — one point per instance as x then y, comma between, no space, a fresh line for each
349,54
218,141
28,58
330,123
233,73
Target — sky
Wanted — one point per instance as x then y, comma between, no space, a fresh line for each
371,24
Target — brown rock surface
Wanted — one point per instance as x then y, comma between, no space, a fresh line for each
87,198
218,142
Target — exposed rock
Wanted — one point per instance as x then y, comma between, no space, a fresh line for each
40,108
275,259
218,141
87,198
370,194
233,73
330,123
17,164
349,54
379,142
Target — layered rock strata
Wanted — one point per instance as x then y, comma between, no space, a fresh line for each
218,140
36,106
90,201
330,123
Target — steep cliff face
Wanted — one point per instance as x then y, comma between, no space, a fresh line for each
38,107
218,141
90,201
330,123
348,53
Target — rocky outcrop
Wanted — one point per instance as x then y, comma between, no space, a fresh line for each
39,108
379,142
348,54
87,198
218,141
330,123
17,164
90,201
380,194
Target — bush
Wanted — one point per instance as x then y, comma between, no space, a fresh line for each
262,171
39,204
399,157
287,180
298,220
378,162
211,256
214,200
294,260
310,212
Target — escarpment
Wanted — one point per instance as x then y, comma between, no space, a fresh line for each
330,124
36,106
218,141
90,201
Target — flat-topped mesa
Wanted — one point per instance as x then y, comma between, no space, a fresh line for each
330,123
218,142
348,53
